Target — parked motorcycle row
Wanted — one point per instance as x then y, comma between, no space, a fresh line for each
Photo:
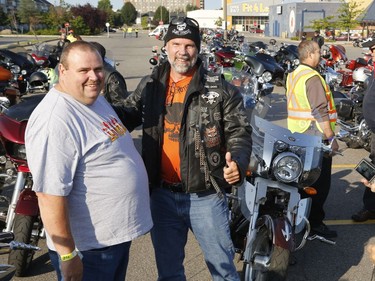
268,216
25,78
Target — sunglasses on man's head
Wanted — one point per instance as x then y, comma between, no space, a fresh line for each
189,21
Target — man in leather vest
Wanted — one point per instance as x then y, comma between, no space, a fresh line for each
368,210
311,110
196,143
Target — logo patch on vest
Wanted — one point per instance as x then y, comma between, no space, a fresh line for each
211,137
214,159
210,97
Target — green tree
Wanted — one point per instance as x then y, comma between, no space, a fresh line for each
324,23
219,22
29,14
348,15
4,19
80,27
105,5
161,14
56,18
129,13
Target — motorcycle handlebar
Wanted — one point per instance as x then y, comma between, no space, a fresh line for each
7,241
6,237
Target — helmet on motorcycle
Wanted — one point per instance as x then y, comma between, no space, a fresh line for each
361,74
38,82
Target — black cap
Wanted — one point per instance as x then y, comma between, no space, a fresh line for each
184,27
368,43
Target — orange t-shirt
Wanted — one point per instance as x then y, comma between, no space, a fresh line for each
170,158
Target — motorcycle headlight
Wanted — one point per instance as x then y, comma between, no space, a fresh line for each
296,62
15,69
267,76
287,167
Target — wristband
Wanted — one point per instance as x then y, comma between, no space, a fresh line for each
69,257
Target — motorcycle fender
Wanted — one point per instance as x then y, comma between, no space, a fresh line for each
283,235
27,203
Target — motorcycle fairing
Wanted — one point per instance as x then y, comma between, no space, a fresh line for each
266,134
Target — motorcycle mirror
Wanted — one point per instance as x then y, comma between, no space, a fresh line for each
153,61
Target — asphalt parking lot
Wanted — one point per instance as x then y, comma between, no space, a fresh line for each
317,261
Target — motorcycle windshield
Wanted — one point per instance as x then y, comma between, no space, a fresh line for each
285,156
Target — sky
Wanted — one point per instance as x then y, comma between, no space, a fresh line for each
117,4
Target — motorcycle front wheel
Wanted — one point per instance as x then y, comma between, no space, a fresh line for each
21,259
278,260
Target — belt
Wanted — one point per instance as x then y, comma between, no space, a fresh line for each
173,187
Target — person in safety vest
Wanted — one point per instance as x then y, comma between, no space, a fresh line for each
311,110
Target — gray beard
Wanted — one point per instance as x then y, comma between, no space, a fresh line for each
182,69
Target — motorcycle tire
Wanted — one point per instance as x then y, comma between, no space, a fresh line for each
352,144
22,229
279,260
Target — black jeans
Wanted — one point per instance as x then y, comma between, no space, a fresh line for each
322,186
368,195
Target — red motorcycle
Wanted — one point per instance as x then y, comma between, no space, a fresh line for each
23,217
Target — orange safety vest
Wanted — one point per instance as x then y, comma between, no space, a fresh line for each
299,109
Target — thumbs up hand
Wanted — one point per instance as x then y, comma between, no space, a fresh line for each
231,172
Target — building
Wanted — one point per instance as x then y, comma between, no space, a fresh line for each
10,5
292,19
206,18
144,6
282,18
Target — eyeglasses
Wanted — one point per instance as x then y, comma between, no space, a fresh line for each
189,21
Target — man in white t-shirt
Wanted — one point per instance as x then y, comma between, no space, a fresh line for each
91,182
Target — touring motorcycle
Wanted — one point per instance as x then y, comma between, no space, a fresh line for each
22,217
267,211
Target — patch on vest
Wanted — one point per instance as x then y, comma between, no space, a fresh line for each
214,159
211,137
210,97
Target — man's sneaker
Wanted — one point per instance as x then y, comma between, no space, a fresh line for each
363,215
323,230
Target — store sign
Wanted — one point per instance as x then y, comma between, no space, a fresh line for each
254,8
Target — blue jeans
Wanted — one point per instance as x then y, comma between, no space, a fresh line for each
105,264
206,215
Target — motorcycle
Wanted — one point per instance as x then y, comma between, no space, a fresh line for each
158,57
287,57
21,65
22,217
267,211
253,89
354,130
7,241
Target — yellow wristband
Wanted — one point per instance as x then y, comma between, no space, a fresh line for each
68,257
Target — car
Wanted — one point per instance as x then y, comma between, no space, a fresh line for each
110,30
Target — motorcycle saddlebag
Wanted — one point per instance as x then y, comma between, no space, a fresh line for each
344,108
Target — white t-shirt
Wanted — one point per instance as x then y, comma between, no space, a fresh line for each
85,153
